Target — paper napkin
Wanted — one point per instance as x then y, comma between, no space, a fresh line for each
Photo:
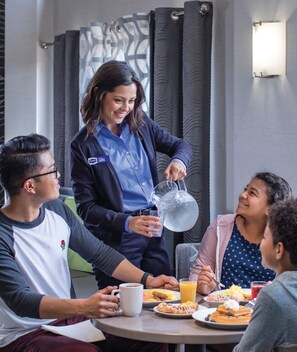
84,331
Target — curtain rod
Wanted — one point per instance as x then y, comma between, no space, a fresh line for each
46,45
204,9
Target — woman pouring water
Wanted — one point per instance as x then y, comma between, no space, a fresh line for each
114,170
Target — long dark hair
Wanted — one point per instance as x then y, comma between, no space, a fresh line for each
109,76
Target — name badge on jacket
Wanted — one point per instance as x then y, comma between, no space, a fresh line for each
95,160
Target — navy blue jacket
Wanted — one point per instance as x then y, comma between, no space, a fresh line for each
97,189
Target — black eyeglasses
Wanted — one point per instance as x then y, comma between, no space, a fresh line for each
54,172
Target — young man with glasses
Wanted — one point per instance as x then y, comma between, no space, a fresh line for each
36,231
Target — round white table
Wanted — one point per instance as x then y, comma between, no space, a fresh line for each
149,326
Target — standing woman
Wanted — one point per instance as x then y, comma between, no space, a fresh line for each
114,171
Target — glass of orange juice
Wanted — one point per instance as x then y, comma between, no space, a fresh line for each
187,290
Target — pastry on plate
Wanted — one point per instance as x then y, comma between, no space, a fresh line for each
183,308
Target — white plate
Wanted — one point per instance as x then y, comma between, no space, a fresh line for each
200,316
213,304
151,304
177,316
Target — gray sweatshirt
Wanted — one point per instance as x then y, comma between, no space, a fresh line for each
274,320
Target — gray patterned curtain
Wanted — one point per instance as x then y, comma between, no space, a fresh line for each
126,39
170,50
180,69
2,81
66,99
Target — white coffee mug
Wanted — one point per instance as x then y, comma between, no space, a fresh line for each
131,298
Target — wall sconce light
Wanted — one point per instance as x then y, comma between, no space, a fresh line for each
269,49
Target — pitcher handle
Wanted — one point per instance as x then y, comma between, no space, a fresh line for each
182,184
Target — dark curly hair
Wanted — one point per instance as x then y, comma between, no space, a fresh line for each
109,76
282,221
277,187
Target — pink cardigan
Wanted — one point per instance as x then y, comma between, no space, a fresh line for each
213,245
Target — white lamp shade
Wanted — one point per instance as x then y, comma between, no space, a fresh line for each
269,49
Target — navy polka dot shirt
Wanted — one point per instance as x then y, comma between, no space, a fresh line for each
242,262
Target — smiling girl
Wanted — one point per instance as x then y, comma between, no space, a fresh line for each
230,247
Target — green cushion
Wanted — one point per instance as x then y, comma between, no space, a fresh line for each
75,261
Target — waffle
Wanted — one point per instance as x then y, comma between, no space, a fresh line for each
229,316
235,313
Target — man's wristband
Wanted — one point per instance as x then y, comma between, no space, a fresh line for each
144,279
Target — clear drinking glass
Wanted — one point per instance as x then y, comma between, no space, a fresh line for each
160,215
256,287
187,290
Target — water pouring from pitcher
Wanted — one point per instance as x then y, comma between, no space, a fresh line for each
180,209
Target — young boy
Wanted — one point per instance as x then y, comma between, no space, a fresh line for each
274,320
36,231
